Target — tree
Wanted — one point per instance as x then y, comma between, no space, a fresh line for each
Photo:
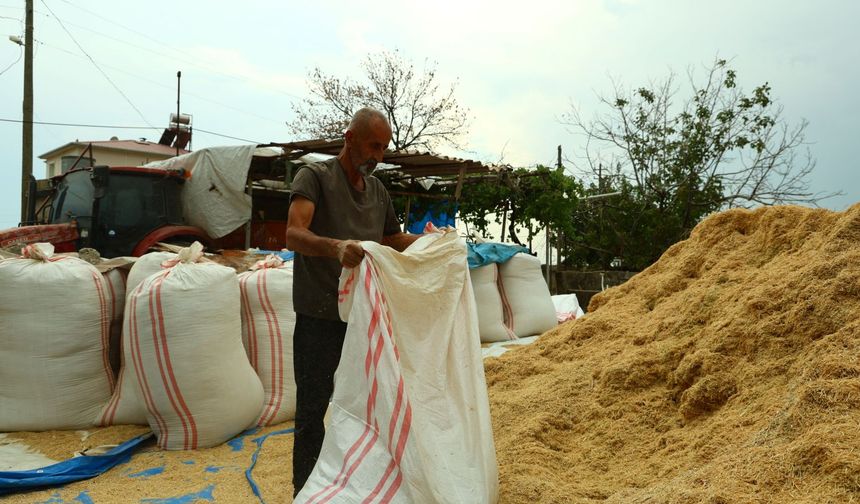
672,165
522,200
422,113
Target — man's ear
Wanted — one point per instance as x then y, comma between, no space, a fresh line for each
348,136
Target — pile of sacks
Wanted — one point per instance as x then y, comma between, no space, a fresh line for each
201,353
512,299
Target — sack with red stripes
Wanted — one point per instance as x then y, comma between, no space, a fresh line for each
185,348
115,279
268,320
526,296
488,302
410,416
126,406
54,335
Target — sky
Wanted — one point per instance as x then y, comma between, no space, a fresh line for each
518,66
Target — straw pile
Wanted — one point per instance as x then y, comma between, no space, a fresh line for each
727,372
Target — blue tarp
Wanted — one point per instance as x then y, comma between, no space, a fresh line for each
440,220
67,471
481,254
286,255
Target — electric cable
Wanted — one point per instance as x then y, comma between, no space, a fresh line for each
106,126
105,75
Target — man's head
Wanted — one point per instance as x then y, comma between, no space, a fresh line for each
366,139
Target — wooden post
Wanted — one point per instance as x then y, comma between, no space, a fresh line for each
408,209
251,218
460,178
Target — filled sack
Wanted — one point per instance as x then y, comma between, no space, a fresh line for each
125,405
526,296
54,342
185,347
268,321
488,302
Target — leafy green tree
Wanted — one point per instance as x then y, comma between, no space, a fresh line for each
672,164
524,200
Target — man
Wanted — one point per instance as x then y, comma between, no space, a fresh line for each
334,205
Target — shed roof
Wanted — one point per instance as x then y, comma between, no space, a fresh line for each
409,162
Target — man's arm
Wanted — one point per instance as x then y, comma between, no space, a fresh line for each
304,241
399,241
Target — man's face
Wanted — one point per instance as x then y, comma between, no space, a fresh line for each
368,145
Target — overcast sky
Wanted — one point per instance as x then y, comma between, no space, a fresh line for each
519,67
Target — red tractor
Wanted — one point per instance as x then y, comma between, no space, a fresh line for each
123,211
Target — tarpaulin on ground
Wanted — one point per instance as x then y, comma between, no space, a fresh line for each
67,471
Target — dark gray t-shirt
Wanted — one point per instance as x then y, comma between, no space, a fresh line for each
340,212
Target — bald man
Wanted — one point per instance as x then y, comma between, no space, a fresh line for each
334,206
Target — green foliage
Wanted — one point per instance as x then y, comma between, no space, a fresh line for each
673,165
525,199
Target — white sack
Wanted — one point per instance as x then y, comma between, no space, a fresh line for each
410,418
186,350
491,311
268,321
54,331
525,291
115,279
567,307
126,406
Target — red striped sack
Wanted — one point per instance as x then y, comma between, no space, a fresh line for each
488,302
126,405
524,291
185,347
410,416
268,321
54,335
115,279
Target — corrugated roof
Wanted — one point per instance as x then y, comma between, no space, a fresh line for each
123,145
410,162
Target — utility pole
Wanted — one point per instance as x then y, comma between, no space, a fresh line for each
27,131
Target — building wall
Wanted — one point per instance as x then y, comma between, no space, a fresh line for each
110,157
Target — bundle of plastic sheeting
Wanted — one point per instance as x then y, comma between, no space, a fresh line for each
488,301
268,321
54,333
410,417
524,292
125,405
185,346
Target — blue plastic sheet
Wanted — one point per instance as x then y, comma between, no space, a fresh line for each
67,471
481,254
286,255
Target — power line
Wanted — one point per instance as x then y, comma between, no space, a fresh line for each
161,84
20,53
97,66
188,58
107,126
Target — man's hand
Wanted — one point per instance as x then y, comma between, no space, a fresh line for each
349,253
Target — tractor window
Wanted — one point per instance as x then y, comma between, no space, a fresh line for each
74,197
134,204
